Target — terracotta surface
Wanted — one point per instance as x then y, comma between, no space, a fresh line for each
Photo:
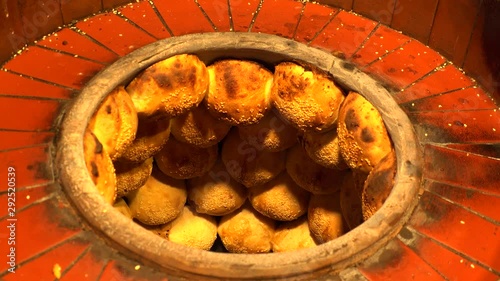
453,233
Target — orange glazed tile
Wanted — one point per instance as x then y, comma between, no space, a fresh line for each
183,17
32,166
448,263
13,139
24,197
383,41
344,34
38,229
490,150
121,270
414,17
283,23
42,114
344,4
441,80
242,12
405,65
218,12
314,18
70,41
87,268
462,169
466,99
397,262
143,14
457,229
17,85
481,203
379,10
54,67
452,28
42,267
115,33
477,126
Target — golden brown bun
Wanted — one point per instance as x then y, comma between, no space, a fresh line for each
216,193
115,122
197,127
248,165
131,176
363,138
152,135
350,198
100,167
239,91
271,133
292,236
306,98
170,87
311,176
325,217
378,185
159,201
193,230
280,199
323,148
183,161
246,231
122,207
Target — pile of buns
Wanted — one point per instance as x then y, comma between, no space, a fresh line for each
266,160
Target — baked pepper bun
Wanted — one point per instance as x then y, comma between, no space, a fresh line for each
100,167
311,176
249,165
239,91
115,122
292,236
198,128
170,87
130,176
307,98
363,138
271,133
216,193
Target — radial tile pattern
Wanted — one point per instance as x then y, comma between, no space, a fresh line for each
452,235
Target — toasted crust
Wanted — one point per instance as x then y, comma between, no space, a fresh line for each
115,122
246,231
216,193
324,149
197,127
170,87
131,176
248,165
100,167
152,135
280,199
311,176
306,98
363,138
183,161
239,91
350,198
193,230
159,201
292,236
271,133
325,217
378,185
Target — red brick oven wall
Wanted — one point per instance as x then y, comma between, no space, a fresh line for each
464,31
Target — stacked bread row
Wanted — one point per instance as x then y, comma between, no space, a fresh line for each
265,160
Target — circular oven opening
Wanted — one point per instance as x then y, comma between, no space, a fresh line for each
327,258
